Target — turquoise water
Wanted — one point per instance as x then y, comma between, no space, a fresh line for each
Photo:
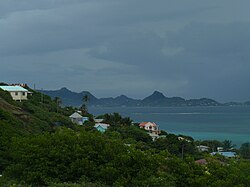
219,123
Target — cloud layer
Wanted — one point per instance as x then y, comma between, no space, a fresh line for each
189,48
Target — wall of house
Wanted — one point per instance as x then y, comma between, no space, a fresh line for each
78,121
152,127
19,96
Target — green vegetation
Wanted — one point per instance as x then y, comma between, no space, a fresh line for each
84,106
245,150
20,119
39,146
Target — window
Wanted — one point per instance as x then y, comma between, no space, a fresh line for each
23,93
16,93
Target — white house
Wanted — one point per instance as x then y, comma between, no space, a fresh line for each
76,118
219,149
17,93
203,148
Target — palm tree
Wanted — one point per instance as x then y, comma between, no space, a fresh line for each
86,98
227,145
84,107
58,102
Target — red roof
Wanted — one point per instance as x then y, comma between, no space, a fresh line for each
144,123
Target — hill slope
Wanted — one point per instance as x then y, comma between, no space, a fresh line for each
18,119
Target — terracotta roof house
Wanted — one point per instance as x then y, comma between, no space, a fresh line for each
152,128
17,93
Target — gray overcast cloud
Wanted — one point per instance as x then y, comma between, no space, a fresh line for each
187,48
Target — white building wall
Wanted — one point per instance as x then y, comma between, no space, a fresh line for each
19,95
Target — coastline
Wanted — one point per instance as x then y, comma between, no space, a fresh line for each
215,122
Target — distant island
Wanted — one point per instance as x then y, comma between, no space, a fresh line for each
157,99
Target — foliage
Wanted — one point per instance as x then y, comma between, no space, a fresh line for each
5,95
65,156
116,120
245,150
173,145
227,145
10,127
19,119
132,132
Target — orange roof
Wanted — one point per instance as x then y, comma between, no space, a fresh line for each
144,123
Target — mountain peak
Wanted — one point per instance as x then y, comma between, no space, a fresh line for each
64,89
156,96
157,93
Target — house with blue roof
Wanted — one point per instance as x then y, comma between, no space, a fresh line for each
101,127
17,93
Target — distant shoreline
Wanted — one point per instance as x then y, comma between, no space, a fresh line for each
156,99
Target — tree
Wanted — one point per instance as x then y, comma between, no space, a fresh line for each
58,102
134,132
227,145
116,120
84,107
245,150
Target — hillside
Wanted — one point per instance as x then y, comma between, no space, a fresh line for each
35,116
18,119
157,99
37,150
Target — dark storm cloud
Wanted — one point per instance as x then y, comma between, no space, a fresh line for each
209,58
57,25
132,48
215,57
187,48
213,40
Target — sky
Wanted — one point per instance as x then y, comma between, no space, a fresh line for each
186,48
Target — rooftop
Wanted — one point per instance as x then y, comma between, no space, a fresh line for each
103,125
75,115
143,124
13,88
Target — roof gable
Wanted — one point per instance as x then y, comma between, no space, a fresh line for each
75,115
102,125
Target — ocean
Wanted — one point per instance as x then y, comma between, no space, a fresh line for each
202,123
